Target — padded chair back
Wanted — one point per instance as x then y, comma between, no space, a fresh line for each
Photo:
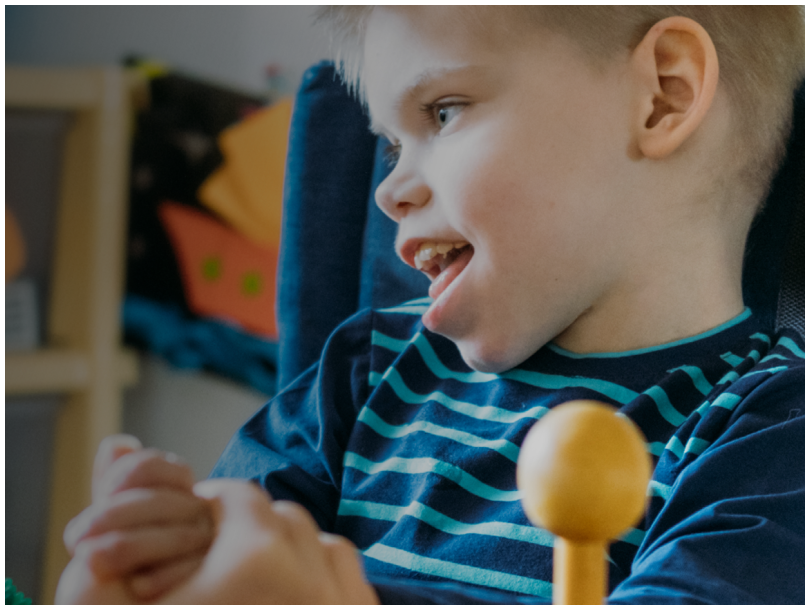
773,271
337,254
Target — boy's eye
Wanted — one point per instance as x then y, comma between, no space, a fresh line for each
445,114
441,114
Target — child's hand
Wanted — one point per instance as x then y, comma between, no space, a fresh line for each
145,525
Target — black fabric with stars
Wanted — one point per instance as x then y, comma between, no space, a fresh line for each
174,150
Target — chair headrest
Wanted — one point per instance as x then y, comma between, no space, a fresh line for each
773,272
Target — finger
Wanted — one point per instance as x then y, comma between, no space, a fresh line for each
241,512
122,553
296,523
222,489
109,450
154,583
345,564
146,468
136,508
243,501
304,544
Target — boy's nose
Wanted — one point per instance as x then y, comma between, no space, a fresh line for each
400,193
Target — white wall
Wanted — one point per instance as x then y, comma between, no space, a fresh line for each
227,44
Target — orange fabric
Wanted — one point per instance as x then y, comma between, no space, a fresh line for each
247,189
15,247
225,275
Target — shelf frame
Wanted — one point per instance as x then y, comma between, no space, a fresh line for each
83,357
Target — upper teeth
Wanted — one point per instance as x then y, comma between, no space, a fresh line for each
430,249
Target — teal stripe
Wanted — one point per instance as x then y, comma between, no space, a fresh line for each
659,489
698,378
656,448
413,309
390,343
774,357
732,359
790,344
729,377
481,412
763,338
754,355
459,572
614,391
422,303
675,446
554,382
438,368
646,350
425,465
694,445
726,400
633,536
370,418
417,510
665,408
770,371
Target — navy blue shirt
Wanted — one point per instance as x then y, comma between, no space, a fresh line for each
394,442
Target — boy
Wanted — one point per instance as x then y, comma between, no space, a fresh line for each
578,184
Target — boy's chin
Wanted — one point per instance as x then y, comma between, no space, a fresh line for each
487,358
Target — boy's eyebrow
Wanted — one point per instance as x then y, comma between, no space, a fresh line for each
422,81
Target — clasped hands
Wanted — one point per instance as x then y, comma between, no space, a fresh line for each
152,536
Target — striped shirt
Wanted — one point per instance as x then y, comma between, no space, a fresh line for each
394,442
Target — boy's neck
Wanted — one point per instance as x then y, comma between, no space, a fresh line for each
666,297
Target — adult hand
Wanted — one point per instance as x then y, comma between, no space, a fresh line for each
270,553
263,552
145,524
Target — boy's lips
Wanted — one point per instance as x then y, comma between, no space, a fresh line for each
440,260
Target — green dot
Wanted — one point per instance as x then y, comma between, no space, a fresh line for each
212,268
252,283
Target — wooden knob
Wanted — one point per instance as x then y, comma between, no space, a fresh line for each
583,472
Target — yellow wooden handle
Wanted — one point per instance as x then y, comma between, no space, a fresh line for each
583,472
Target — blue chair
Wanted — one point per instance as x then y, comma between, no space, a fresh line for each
337,254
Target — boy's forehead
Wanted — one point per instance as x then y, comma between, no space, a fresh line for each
409,49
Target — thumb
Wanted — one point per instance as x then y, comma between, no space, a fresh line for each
240,511
110,449
234,501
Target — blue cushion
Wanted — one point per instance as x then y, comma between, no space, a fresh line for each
332,233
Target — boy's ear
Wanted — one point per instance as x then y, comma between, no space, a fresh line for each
677,66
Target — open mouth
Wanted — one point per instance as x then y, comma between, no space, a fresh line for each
433,258
442,262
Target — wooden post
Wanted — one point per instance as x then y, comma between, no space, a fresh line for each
82,356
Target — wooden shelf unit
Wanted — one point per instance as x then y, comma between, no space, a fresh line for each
59,370
82,357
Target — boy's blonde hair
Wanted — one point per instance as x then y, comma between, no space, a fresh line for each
760,50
